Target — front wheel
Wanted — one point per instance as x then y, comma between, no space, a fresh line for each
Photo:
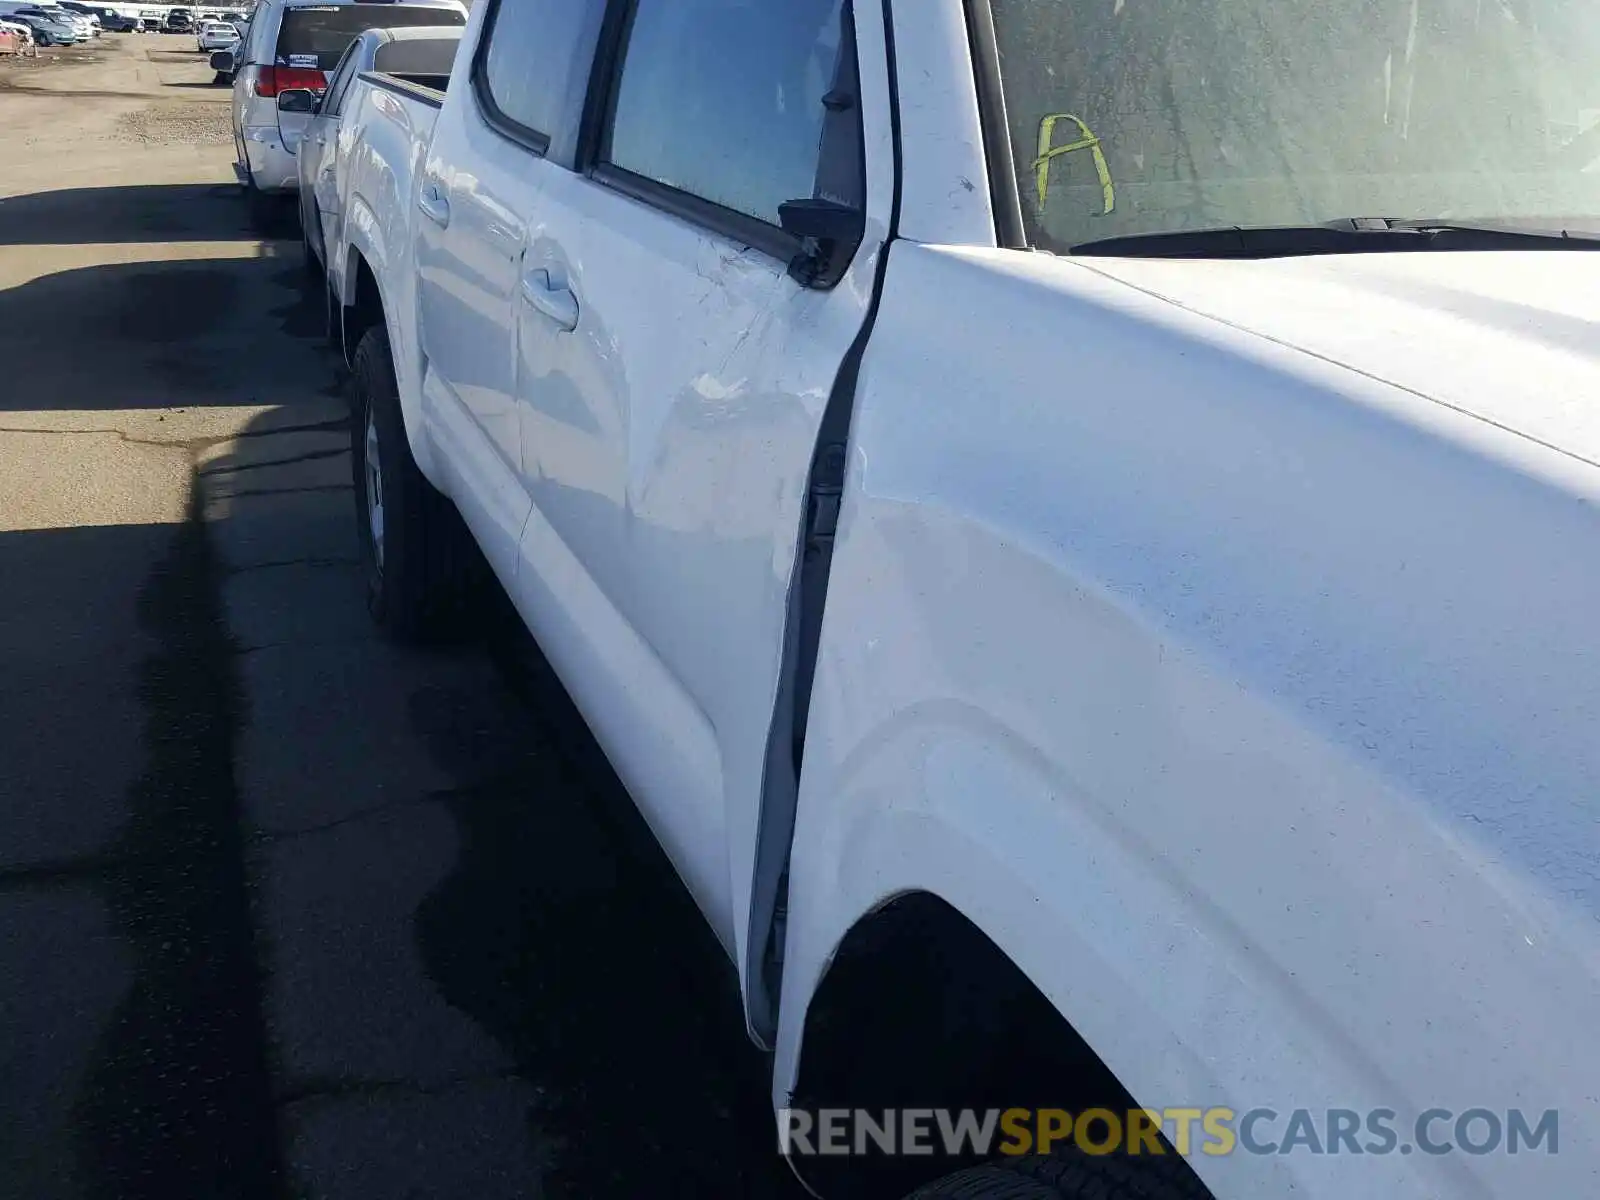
423,570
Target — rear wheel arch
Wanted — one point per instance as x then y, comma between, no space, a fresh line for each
363,306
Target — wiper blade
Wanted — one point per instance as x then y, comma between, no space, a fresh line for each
1356,235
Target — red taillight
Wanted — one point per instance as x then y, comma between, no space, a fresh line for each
272,80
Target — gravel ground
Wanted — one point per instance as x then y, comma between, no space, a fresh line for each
145,89
167,124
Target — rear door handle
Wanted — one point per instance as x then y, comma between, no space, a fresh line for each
435,205
557,303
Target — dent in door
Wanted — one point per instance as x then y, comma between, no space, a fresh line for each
571,385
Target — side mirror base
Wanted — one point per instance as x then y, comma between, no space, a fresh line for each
829,234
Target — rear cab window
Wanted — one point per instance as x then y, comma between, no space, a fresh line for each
318,37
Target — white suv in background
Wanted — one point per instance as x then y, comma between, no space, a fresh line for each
292,45
216,35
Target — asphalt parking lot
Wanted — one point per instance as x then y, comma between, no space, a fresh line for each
285,911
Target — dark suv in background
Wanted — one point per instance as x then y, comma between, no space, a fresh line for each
110,21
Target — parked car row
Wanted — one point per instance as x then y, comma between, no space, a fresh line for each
194,20
181,19
69,22
111,19
51,24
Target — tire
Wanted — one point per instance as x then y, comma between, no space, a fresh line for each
1071,1175
423,571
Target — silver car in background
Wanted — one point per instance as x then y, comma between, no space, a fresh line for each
291,46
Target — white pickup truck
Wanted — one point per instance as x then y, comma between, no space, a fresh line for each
1080,532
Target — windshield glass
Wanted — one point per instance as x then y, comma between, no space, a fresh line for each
1146,116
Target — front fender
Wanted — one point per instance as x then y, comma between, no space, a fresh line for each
968,802
1106,691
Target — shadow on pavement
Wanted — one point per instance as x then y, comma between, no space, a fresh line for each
215,998
565,932
171,212
154,335
531,892
133,1056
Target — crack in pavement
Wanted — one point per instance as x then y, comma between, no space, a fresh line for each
377,810
337,1089
309,456
279,563
335,423
120,434
195,443
289,491
57,871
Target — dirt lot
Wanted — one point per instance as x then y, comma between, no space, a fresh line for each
285,911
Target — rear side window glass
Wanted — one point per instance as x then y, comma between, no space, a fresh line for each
417,56
317,37
531,51
723,99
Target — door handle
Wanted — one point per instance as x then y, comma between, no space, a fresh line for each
435,205
557,303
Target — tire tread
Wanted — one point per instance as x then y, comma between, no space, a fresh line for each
431,564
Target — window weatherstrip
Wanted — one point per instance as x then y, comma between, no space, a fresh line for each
697,210
1005,198
494,116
